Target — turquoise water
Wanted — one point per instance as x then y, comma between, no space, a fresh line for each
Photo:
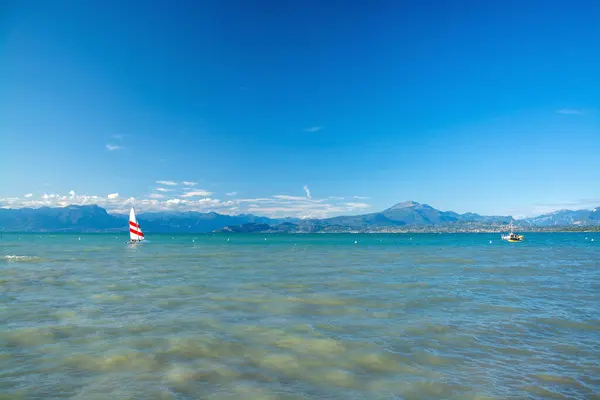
403,316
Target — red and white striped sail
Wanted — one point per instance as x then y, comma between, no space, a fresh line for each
135,232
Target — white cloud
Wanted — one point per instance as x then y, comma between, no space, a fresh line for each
113,147
197,193
570,111
186,183
28,195
118,137
313,129
162,189
167,183
197,200
286,197
358,205
360,197
307,191
231,194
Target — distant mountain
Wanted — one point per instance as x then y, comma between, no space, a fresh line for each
403,216
194,222
566,218
95,219
409,213
72,218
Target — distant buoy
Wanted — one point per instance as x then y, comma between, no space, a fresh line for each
265,238
592,240
355,242
193,240
78,238
490,242
228,239
586,238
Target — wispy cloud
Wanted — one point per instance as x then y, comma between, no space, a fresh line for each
113,196
231,194
162,189
313,129
286,197
307,191
580,204
156,196
167,183
360,197
28,195
187,183
197,193
113,147
570,111
118,137
358,205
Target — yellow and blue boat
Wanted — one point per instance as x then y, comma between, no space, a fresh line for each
512,237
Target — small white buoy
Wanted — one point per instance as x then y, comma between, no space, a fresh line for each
193,240
228,239
356,242
490,242
78,238
592,240
586,238
265,238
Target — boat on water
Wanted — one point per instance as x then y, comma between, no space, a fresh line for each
135,232
512,236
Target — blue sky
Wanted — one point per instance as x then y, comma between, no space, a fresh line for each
490,107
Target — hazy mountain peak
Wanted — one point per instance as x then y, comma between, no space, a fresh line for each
404,204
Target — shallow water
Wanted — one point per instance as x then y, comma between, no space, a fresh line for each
403,316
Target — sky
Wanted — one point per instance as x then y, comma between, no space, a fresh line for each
301,108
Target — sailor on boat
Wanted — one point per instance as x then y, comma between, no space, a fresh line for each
135,231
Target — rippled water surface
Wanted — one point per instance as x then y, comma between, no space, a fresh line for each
300,317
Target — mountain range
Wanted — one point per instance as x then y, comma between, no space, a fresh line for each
405,216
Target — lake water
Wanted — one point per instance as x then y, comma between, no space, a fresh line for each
406,316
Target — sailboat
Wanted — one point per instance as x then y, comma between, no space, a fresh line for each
135,232
512,237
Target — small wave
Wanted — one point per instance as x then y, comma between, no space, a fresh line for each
21,258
